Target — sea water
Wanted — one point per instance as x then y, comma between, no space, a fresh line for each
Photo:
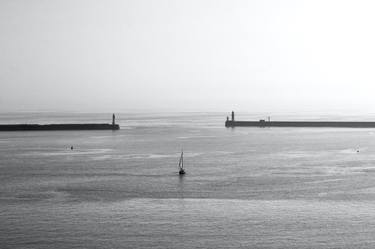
244,187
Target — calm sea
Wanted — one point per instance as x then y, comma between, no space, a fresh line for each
244,187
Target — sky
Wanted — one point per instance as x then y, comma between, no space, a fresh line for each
187,55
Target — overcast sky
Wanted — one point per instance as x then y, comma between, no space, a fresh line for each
187,55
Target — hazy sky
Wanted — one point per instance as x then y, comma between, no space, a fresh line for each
187,55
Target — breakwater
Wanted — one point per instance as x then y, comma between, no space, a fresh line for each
57,127
333,124
327,124
60,127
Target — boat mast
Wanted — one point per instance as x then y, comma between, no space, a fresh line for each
182,159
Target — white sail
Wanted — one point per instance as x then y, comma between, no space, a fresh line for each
181,162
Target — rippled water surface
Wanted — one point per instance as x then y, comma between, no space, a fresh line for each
245,187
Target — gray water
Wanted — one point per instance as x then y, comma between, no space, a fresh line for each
244,187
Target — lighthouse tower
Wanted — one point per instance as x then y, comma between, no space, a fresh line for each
230,123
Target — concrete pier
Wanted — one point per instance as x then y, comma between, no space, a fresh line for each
60,127
57,127
264,123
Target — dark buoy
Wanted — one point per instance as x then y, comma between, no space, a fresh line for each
71,147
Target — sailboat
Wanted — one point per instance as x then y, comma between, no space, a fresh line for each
181,164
